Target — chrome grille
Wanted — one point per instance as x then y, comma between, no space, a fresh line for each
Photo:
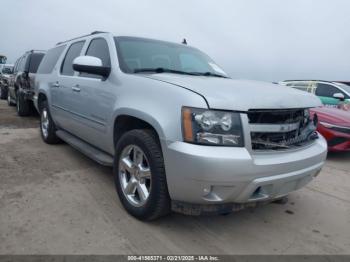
281,129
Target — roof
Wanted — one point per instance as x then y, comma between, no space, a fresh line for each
93,33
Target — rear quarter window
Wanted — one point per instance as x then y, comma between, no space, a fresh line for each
50,60
34,63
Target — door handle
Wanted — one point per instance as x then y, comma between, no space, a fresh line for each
56,85
76,88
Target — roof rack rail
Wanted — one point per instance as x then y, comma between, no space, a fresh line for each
93,33
307,80
36,50
341,81
97,32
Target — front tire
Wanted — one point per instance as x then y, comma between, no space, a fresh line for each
22,105
47,126
139,173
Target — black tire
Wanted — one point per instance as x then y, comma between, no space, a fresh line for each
158,203
22,105
9,101
3,93
49,137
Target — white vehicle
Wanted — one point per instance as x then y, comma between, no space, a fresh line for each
330,93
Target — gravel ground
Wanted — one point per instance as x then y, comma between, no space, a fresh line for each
54,200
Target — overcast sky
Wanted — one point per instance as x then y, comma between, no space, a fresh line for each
254,39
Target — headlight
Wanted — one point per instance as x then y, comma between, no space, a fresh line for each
212,127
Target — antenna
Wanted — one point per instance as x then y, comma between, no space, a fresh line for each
184,41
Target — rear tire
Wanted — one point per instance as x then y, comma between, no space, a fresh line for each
22,105
47,126
157,203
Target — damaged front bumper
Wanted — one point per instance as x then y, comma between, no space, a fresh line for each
218,209
210,175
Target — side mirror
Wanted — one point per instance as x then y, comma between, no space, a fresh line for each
339,96
90,65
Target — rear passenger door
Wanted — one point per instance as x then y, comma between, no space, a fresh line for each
96,97
47,79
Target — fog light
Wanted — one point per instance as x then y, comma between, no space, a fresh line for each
218,139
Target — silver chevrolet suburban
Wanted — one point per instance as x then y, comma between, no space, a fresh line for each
180,134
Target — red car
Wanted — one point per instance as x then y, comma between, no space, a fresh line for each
334,125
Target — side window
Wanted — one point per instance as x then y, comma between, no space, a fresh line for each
15,69
326,90
50,59
98,48
22,64
34,62
72,53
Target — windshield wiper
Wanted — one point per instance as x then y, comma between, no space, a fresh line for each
159,70
209,74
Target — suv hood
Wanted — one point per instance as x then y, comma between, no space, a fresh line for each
241,95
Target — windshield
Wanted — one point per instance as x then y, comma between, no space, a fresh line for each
345,87
143,55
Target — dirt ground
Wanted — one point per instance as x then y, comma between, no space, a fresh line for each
54,200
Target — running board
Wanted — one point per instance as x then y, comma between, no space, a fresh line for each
88,150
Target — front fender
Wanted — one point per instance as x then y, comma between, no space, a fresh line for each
137,114
142,116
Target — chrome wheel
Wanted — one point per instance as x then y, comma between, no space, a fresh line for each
45,122
134,175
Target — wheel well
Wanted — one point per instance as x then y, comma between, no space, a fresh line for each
41,98
125,123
